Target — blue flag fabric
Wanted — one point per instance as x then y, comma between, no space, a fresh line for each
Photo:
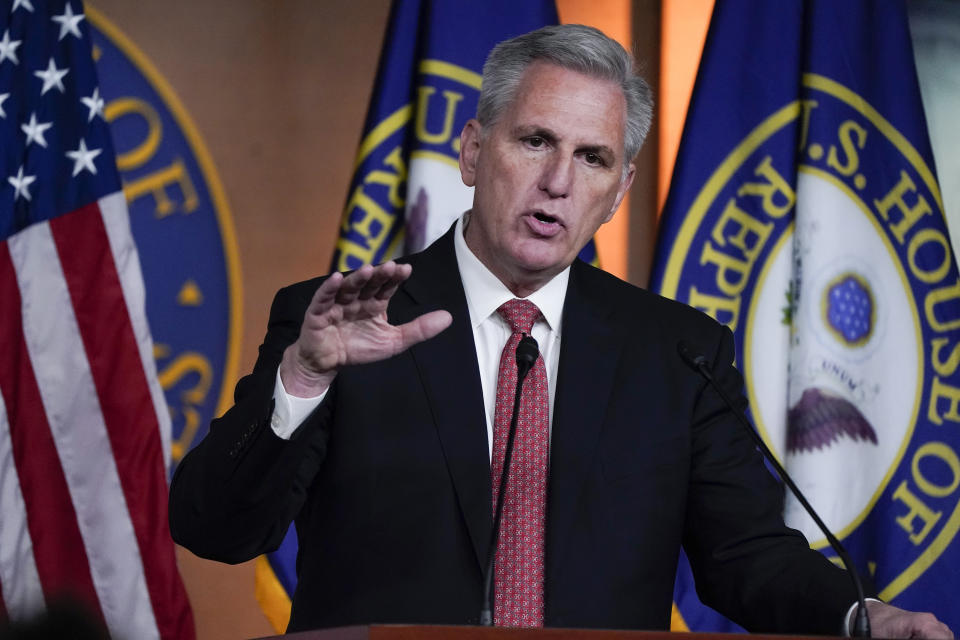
804,213
406,189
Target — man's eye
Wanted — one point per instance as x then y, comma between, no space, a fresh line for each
593,159
536,142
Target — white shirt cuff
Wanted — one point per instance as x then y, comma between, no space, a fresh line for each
289,411
848,619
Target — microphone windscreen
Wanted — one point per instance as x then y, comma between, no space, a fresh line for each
693,360
527,352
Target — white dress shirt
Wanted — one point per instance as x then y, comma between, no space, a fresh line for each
484,293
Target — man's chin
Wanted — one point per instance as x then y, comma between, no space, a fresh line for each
542,266
540,253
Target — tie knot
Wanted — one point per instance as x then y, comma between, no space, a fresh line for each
520,314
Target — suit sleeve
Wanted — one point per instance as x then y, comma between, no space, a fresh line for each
747,564
234,495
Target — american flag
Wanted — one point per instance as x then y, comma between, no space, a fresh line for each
84,428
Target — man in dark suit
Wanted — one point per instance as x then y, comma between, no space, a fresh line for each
376,414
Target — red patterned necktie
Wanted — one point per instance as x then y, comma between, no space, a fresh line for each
518,576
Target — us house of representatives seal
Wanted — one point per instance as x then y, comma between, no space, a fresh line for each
832,266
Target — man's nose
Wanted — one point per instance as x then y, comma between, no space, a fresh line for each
557,176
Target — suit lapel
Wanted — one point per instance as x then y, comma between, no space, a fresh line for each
448,370
590,349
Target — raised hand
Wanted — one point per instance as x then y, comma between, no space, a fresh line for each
346,323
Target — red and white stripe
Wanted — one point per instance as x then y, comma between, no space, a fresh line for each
117,223
18,569
84,434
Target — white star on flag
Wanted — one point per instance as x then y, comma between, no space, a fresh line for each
94,103
52,77
8,48
22,3
69,23
20,183
34,130
83,158
3,98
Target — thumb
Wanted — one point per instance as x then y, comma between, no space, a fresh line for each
423,328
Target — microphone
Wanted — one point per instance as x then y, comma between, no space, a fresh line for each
698,362
527,353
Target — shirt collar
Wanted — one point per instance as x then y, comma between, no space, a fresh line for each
485,293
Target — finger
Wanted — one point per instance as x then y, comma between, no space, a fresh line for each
353,284
892,622
389,288
325,294
939,631
381,275
926,625
929,627
423,328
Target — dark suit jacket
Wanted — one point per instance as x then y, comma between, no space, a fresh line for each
388,480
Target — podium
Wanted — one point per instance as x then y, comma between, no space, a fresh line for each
437,632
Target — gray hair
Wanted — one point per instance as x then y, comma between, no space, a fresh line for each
575,47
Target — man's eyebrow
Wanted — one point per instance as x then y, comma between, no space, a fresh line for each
522,131
599,149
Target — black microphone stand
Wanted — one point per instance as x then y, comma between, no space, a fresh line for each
527,353
698,363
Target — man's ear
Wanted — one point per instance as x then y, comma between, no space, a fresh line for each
622,191
469,151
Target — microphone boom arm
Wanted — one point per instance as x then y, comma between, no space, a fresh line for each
699,364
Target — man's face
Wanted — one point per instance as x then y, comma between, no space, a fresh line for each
547,174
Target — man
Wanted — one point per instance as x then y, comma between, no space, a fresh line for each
376,414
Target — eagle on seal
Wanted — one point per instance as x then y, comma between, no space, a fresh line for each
820,417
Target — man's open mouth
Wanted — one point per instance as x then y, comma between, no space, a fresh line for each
542,217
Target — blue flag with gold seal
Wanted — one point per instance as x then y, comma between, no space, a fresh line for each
804,213
406,189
